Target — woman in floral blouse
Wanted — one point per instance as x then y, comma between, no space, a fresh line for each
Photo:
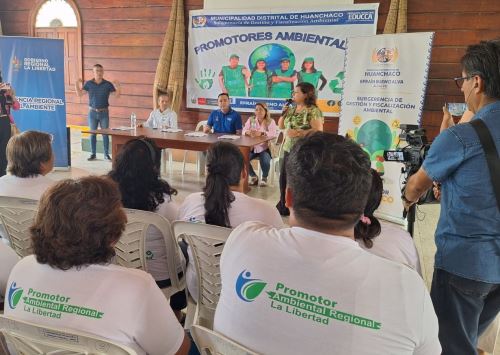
297,120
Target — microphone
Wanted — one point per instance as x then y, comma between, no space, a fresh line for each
285,107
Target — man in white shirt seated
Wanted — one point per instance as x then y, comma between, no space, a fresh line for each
70,283
162,117
310,289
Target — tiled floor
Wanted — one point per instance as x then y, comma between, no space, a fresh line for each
425,225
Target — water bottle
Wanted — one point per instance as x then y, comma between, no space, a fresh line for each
133,120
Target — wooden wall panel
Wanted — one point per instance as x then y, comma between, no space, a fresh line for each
125,36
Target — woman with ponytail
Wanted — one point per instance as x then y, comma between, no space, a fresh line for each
223,202
384,239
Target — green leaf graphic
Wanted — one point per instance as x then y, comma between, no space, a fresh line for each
253,289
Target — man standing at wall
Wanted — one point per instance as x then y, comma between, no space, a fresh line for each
466,282
99,90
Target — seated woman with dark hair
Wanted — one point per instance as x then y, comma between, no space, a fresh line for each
70,283
223,202
137,172
29,159
381,238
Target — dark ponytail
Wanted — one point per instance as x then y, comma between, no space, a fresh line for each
224,167
368,227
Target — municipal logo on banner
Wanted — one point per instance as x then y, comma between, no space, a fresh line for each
298,303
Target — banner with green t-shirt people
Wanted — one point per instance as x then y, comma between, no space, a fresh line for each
261,55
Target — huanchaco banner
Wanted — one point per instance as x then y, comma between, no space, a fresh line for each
35,69
259,56
385,83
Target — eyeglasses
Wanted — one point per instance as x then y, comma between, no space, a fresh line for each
460,80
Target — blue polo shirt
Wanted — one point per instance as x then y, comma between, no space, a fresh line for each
468,232
222,122
99,93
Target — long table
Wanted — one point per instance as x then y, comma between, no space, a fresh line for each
178,140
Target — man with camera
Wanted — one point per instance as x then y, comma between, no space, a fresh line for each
464,159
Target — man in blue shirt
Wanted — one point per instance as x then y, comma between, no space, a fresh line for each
224,120
99,90
466,282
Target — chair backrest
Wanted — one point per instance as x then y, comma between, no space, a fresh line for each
212,343
277,144
199,125
131,247
17,215
30,339
206,242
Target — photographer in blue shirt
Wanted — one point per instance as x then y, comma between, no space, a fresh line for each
466,282
225,119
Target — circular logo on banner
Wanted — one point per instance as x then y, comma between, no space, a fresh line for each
272,54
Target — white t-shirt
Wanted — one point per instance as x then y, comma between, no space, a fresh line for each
157,118
30,187
156,254
243,208
297,291
117,303
8,258
396,244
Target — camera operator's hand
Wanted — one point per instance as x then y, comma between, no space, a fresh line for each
436,190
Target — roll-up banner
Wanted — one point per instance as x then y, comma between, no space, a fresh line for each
385,83
35,69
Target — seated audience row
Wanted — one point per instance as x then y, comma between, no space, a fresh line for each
71,275
326,218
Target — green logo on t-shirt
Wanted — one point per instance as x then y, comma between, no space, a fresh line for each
52,305
298,303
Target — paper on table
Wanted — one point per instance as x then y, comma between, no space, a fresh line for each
195,134
172,130
122,128
230,136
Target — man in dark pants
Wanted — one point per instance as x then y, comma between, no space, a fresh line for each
99,90
466,282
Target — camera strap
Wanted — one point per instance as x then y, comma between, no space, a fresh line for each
491,153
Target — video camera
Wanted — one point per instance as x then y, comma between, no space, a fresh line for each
412,155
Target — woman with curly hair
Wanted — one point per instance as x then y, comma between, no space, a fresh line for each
137,172
69,282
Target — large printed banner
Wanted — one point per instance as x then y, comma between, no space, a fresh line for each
259,56
35,69
385,82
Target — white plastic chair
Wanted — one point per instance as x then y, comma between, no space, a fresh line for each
276,160
131,252
17,215
206,242
199,127
213,343
33,339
